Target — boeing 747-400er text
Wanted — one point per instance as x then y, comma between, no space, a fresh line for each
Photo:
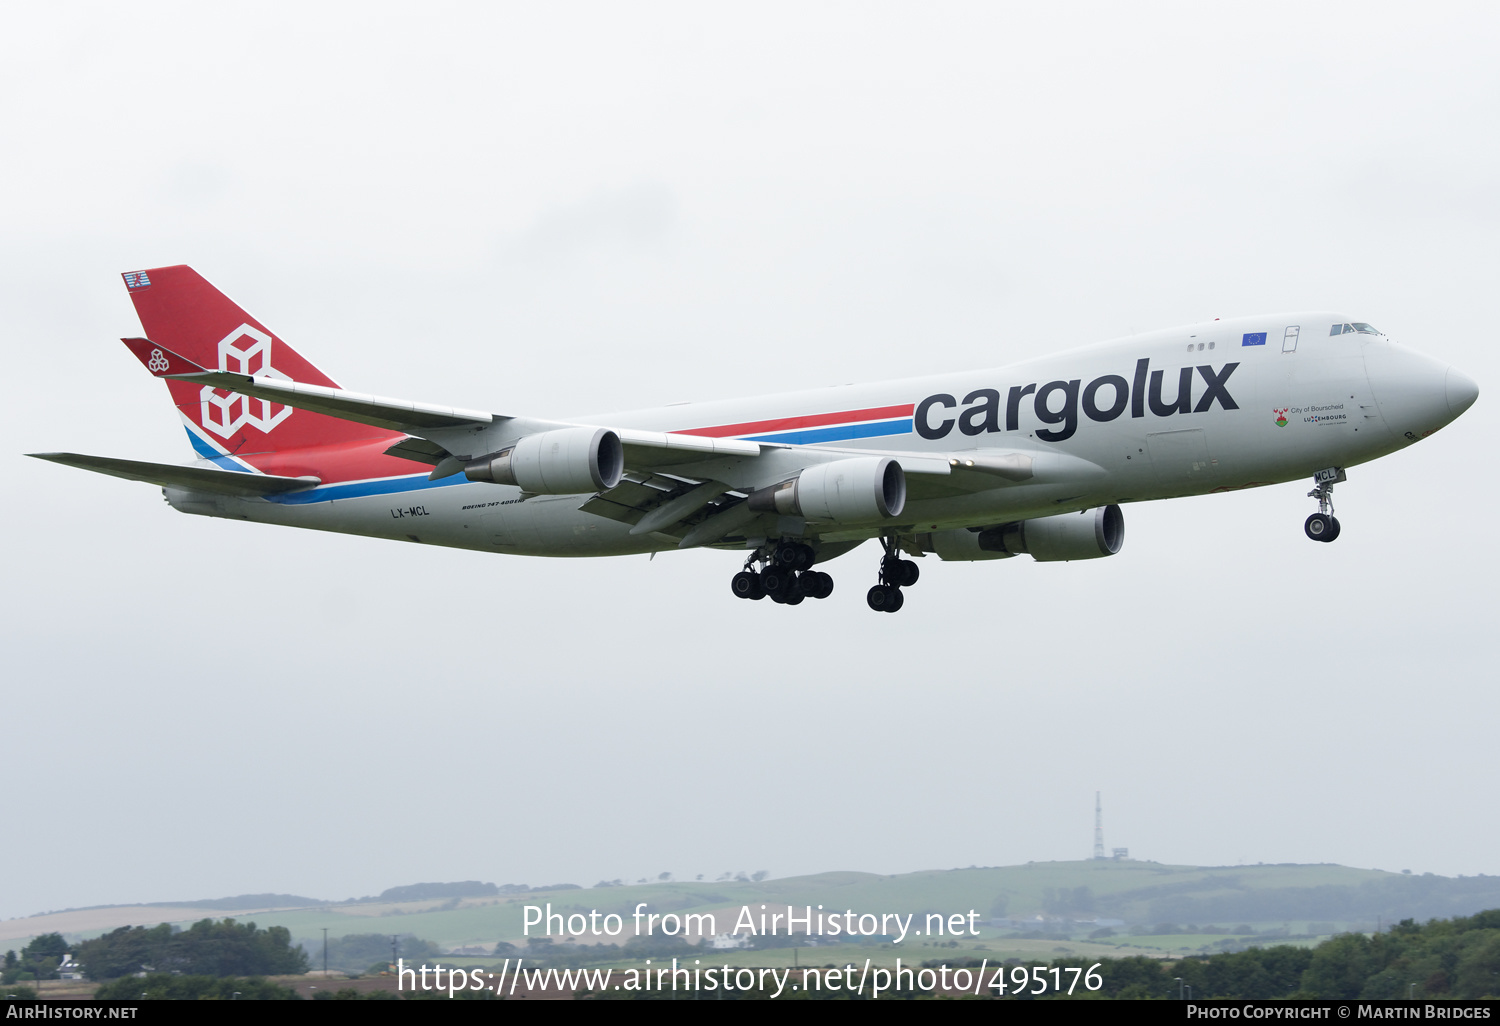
1036,457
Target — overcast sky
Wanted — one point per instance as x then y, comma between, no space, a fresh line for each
562,209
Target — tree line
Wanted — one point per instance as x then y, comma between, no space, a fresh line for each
1443,958
207,948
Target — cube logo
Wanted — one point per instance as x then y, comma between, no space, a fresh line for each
243,351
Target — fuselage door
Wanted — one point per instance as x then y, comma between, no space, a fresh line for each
1289,338
1180,459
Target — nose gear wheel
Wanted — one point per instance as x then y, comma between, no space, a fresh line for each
1323,526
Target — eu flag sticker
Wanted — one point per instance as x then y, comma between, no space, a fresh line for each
1254,338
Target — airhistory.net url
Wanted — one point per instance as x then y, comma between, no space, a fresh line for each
995,980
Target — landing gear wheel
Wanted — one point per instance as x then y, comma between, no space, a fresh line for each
900,572
794,598
1321,527
778,583
816,584
897,600
746,585
884,598
794,555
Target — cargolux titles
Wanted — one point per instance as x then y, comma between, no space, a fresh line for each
1058,402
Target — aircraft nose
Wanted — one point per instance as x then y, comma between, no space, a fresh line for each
1461,391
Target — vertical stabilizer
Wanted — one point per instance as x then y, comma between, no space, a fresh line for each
183,313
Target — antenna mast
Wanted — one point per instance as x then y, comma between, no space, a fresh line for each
1098,827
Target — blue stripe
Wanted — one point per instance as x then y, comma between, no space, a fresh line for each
839,433
213,456
359,489
326,493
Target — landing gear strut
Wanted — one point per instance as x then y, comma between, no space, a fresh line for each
786,575
895,573
1323,526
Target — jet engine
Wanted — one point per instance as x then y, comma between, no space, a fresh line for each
1099,532
566,461
844,491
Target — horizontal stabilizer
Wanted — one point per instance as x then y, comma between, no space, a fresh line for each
196,479
159,360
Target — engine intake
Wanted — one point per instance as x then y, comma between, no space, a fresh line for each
567,461
1066,536
844,491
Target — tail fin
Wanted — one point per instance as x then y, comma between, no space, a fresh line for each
182,312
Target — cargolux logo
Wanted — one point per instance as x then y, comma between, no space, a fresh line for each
158,363
982,407
243,351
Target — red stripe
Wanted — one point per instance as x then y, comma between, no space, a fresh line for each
817,420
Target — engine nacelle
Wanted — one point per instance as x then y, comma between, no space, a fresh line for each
567,461
1066,536
855,490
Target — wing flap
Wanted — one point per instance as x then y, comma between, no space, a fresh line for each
196,479
418,450
662,503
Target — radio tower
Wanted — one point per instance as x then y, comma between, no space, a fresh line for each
1098,827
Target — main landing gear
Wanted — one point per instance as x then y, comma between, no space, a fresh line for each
1323,526
895,573
786,575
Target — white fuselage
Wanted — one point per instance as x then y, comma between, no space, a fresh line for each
1104,423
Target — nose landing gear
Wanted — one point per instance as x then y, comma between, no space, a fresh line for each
786,576
1323,526
895,573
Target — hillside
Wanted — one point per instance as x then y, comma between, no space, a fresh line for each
1062,898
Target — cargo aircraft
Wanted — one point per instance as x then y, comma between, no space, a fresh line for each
1032,458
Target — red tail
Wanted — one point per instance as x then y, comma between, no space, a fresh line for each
184,313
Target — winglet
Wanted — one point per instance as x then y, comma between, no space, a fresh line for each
159,360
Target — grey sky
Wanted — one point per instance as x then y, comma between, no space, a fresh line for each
566,209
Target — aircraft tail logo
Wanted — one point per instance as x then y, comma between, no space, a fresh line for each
243,351
158,362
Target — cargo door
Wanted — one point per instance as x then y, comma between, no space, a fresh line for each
1180,460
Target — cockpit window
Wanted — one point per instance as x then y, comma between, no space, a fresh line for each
1359,326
